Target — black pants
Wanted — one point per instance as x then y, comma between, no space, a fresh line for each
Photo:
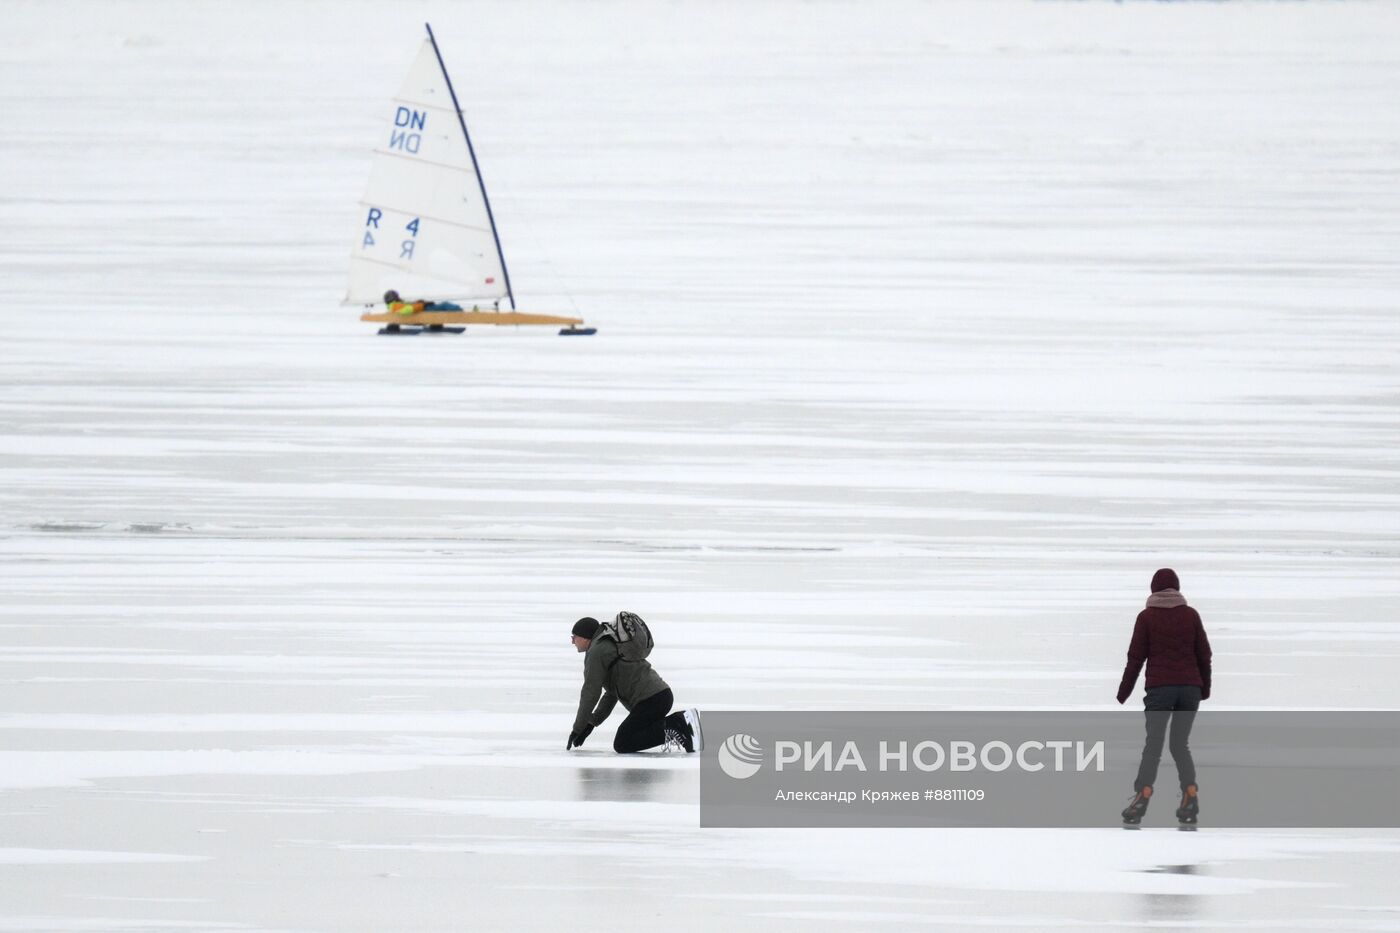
645,726
1175,705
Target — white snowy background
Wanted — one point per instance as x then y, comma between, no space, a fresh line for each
927,332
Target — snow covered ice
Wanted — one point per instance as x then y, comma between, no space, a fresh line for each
927,331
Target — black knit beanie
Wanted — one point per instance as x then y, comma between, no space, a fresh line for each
1165,579
586,627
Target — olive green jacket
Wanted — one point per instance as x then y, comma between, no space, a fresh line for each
607,678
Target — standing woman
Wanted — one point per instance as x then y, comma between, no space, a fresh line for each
1168,636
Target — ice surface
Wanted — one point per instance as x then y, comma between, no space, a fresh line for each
927,332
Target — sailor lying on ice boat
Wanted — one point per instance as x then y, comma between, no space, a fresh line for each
615,668
398,306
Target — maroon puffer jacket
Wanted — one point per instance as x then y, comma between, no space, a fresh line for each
1173,643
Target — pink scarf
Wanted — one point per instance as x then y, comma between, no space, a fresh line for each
1166,599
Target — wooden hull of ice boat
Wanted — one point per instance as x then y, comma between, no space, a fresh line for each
428,318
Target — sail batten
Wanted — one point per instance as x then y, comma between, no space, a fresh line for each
442,220
443,165
422,103
425,227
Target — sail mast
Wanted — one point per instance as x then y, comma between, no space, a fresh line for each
472,151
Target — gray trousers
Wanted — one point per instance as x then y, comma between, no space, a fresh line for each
1175,707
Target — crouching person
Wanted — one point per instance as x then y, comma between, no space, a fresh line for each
615,668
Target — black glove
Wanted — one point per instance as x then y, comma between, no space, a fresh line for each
576,738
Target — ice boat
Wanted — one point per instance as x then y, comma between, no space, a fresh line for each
428,232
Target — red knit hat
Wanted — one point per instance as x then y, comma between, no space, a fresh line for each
1165,579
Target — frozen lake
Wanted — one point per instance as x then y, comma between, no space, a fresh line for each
927,332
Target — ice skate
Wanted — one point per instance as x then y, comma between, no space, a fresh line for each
1133,813
675,743
1190,807
697,735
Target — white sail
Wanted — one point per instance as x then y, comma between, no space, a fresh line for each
425,229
